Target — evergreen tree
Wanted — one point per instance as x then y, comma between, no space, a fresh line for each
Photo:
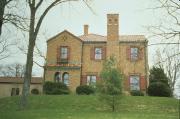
158,85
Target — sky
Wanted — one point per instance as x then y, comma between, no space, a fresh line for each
134,18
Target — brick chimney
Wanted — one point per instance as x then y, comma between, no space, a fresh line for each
112,47
86,28
112,27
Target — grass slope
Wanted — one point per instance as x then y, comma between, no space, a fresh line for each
88,107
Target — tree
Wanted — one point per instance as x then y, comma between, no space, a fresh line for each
171,66
158,83
157,74
110,85
12,70
34,27
167,29
10,15
169,25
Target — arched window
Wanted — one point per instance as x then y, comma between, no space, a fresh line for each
57,77
66,78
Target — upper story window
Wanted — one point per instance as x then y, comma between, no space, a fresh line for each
98,53
134,82
64,52
91,80
134,53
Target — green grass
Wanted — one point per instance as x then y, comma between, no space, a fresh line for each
88,107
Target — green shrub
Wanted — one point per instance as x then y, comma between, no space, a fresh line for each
35,91
54,88
137,93
159,89
85,90
160,80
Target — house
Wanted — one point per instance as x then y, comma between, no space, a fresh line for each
10,86
78,60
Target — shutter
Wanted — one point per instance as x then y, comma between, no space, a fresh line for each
69,53
92,53
128,53
83,80
58,54
142,83
127,83
140,53
104,53
97,77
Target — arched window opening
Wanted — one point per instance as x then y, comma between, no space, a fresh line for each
66,78
57,77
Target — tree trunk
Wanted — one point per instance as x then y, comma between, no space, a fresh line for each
2,7
29,62
27,76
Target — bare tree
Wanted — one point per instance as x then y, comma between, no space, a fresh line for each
10,16
34,27
169,25
167,30
171,65
12,70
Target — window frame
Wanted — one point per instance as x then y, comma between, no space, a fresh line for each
131,84
63,78
91,82
132,57
101,53
61,53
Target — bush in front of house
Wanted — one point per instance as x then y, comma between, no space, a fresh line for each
55,88
137,93
85,90
35,91
159,89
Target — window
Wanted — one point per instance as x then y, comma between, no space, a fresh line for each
64,53
66,78
134,82
14,91
91,80
57,77
98,53
134,53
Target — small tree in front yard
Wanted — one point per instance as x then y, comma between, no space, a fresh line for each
110,86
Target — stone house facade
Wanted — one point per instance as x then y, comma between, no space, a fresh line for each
78,60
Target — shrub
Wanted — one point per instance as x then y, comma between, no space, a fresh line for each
54,88
85,90
137,93
35,91
159,89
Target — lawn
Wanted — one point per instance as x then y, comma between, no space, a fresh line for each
88,107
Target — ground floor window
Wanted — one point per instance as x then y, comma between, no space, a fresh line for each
57,77
66,78
134,82
14,91
91,80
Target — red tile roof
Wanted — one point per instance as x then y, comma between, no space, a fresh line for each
122,38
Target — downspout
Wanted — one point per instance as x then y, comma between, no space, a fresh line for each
146,64
81,62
